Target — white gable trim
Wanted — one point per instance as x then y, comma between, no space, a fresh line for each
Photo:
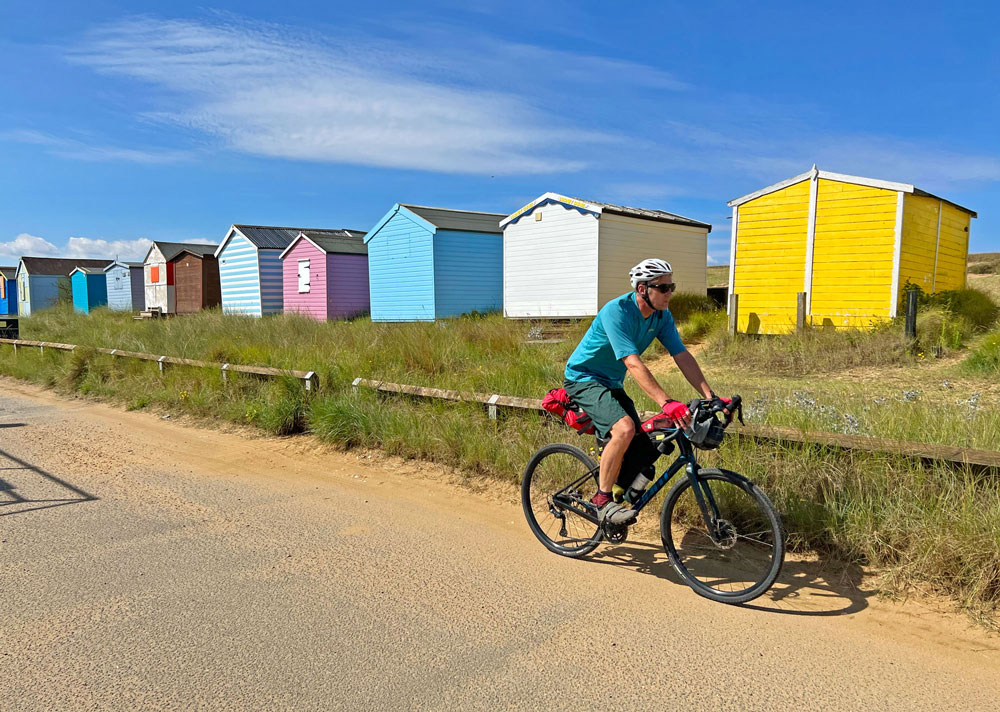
229,235
553,198
839,177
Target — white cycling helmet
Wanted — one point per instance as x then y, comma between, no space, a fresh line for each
648,270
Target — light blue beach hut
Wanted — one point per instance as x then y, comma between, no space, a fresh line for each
90,289
428,263
44,281
250,270
126,291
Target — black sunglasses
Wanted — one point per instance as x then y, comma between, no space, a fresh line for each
663,288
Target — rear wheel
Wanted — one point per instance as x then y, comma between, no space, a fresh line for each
742,556
556,488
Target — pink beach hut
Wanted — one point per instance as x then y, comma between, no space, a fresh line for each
325,274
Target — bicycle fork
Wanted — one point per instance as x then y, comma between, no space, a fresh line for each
706,503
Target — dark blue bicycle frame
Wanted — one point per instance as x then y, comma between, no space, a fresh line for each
685,459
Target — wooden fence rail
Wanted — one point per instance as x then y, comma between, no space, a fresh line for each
761,433
494,401
308,378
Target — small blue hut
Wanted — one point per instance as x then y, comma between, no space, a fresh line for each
43,282
8,290
90,289
429,263
125,286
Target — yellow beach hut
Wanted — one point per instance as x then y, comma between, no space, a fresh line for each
852,244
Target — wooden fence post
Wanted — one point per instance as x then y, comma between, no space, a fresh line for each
491,406
310,380
800,313
354,384
225,368
734,305
911,314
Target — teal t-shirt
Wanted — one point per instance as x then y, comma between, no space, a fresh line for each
619,330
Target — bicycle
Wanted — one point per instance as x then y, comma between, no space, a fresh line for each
720,531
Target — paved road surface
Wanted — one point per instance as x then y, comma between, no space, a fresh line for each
149,565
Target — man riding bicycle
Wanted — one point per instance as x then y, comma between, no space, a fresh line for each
594,378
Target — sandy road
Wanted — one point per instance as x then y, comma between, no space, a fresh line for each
146,564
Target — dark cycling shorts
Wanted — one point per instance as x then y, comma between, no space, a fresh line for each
606,406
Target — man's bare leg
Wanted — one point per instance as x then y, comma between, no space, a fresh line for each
622,433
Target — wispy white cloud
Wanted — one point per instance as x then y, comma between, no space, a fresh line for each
76,247
128,250
79,150
30,245
277,92
763,155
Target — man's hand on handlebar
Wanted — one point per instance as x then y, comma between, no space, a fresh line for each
677,412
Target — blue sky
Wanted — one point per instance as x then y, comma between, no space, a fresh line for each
122,122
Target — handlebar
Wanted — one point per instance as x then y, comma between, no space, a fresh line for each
698,407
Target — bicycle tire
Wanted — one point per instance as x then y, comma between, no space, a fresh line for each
769,518
533,489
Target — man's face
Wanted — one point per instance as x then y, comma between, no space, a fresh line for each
660,298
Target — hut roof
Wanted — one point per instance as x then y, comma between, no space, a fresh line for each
449,219
120,263
844,178
170,250
90,270
269,237
8,272
57,266
337,242
595,206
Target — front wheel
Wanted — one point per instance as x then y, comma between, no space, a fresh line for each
739,555
555,491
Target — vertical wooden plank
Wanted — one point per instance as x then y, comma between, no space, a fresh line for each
800,313
937,248
897,249
811,236
732,250
734,303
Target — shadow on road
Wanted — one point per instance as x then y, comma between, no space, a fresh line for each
12,425
33,488
804,588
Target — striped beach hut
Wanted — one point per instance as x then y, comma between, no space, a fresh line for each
326,274
126,291
850,243
428,263
90,289
159,282
250,268
43,282
8,290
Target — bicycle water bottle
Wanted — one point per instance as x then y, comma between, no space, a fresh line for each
637,488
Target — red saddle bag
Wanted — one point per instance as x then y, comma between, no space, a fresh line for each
558,402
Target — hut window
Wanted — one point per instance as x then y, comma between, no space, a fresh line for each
3,287
303,276
154,274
